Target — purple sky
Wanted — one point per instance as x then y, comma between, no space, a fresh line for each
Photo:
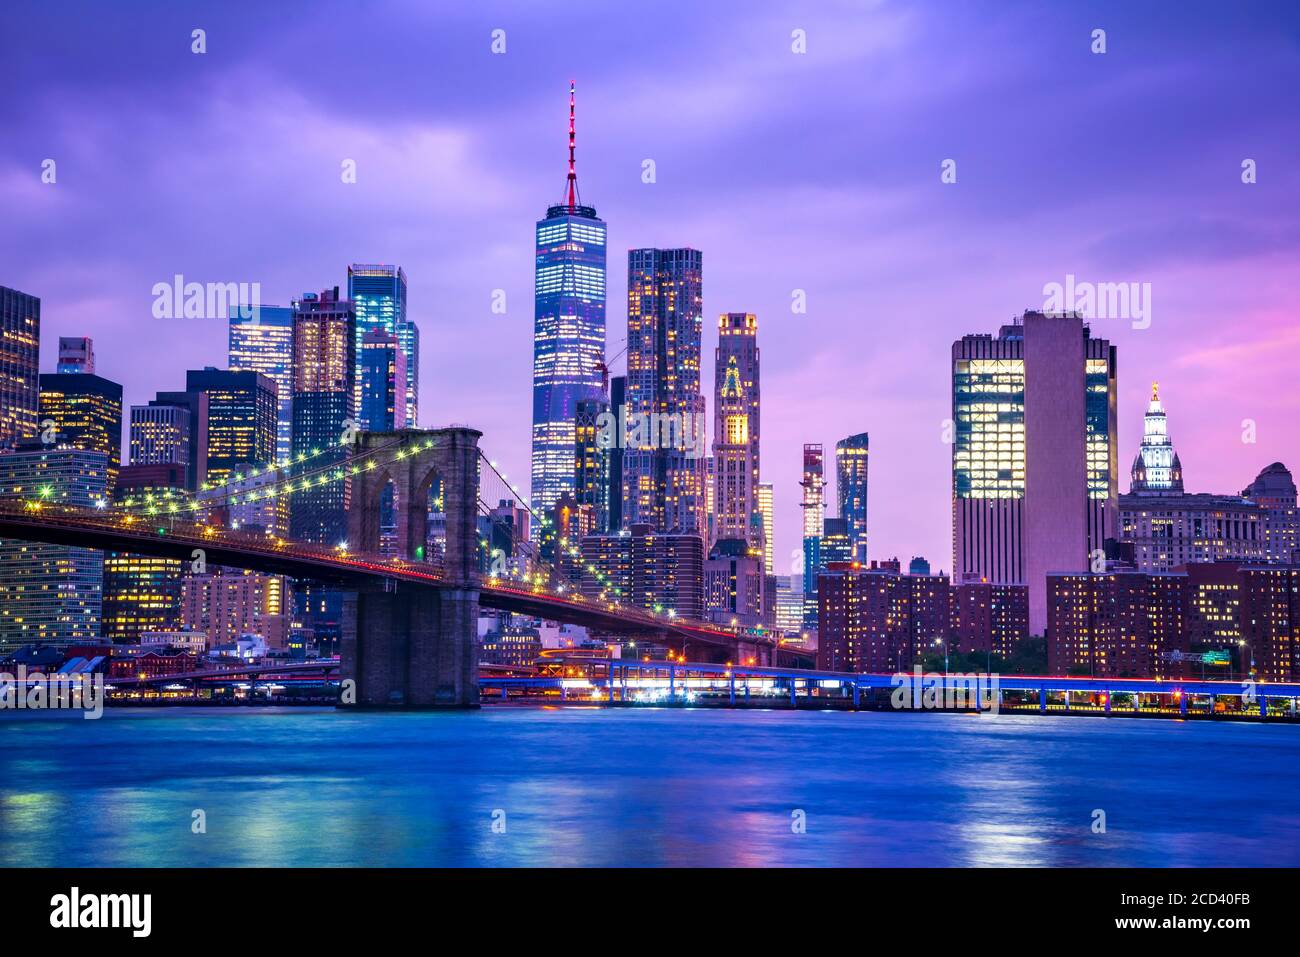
817,172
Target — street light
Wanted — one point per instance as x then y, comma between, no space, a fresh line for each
1245,644
940,641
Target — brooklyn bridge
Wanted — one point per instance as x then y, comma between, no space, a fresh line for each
410,616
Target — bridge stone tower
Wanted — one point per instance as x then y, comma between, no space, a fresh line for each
405,645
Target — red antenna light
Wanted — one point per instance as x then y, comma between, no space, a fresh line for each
573,173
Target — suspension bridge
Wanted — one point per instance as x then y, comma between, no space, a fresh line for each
411,596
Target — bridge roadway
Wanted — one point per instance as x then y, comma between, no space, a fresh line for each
166,536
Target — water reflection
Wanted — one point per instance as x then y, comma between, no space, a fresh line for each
582,787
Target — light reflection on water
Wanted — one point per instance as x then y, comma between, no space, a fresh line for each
642,787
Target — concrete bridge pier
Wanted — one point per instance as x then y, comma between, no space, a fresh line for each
411,648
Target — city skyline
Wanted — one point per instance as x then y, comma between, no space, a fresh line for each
885,298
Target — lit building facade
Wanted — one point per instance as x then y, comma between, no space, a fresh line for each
592,459
51,594
642,568
263,342
1270,620
664,483
614,510
736,432
76,354
789,604
851,460
766,511
160,435
876,620
511,646
1156,468
324,356
1120,623
194,406
378,297
733,584
224,605
813,505
20,339
1274,491
84,411
142,593
241,420
989,617
1168,531
1035,453
383,382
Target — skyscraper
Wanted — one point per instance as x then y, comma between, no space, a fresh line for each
1156,469
617,399
813,484
160,435
20,338
663,458
1035,454
568,332
324,367
142,593
592,462
736,431
76,354
242,409
378,296
83,411
382,367
263,342
769,532
383,409
193,407
851,491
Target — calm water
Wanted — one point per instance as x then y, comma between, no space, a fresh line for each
646,787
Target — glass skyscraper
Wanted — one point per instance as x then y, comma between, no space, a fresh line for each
51,594
20,337
241,418
664,480
383,382
378,296
767,510
324,398
85,412
263,343
568,334
1044,382
851,491
813,484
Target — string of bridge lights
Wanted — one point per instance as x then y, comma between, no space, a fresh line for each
170,503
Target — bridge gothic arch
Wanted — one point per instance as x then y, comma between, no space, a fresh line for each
415,646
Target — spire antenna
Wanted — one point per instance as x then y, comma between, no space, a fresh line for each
573,173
